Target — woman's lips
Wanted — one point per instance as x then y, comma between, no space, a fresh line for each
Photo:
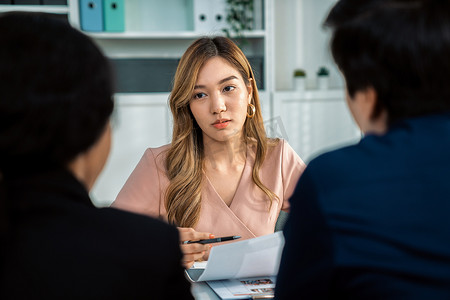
221,124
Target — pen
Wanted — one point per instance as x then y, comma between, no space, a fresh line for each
216,240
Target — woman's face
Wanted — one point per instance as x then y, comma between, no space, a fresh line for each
219,101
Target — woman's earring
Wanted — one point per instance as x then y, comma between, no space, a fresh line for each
252,110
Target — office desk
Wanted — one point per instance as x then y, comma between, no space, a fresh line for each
202,291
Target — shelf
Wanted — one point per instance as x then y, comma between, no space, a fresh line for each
331,94
53,9
167,35
139,99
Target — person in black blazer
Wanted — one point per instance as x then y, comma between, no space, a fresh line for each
371,220
55,106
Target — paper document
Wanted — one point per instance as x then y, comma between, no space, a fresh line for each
249,258
244,288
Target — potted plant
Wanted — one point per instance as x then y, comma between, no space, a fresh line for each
323,75
239,18
299,79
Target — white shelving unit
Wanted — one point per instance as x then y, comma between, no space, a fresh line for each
53,9
314,121
165,35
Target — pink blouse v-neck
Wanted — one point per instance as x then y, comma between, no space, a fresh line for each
249,214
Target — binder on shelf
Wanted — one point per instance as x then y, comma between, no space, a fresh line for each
113,15
210,15
202,16
91,15
218,11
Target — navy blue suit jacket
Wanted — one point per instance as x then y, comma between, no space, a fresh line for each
62,247
372,221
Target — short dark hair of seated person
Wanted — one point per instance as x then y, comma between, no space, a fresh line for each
55,105
394,54
371,220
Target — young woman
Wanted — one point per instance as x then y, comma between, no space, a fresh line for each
220,174
55,106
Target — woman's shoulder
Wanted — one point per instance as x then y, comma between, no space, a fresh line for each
158,150
280,149
275,146
157,154
155,157
271,143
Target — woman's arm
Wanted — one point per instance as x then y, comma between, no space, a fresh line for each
142,192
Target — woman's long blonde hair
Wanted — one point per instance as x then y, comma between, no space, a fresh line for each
184,160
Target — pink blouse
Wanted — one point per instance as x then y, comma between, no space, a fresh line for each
248,215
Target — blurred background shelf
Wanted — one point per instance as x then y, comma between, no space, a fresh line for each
168,34
53,9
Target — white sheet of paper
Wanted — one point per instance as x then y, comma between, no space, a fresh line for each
244,288
249,258
199,265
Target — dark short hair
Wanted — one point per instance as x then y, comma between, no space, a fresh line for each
55,91
401,48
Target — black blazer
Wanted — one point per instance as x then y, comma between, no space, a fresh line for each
62,247
372,221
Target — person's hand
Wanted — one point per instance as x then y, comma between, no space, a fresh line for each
194,251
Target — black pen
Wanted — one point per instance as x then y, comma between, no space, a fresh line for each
216,240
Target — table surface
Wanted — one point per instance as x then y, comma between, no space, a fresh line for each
202,291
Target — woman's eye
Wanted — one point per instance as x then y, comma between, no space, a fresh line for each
228,88
199,95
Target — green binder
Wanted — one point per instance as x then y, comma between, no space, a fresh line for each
113,15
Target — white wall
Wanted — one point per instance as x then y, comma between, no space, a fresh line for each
302,42
137,124
313,120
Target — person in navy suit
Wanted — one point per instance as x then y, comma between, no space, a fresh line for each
55,135
372,220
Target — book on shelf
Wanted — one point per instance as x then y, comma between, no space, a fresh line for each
114,15
91,15
102,15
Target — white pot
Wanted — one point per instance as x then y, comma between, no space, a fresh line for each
299,83
322,82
